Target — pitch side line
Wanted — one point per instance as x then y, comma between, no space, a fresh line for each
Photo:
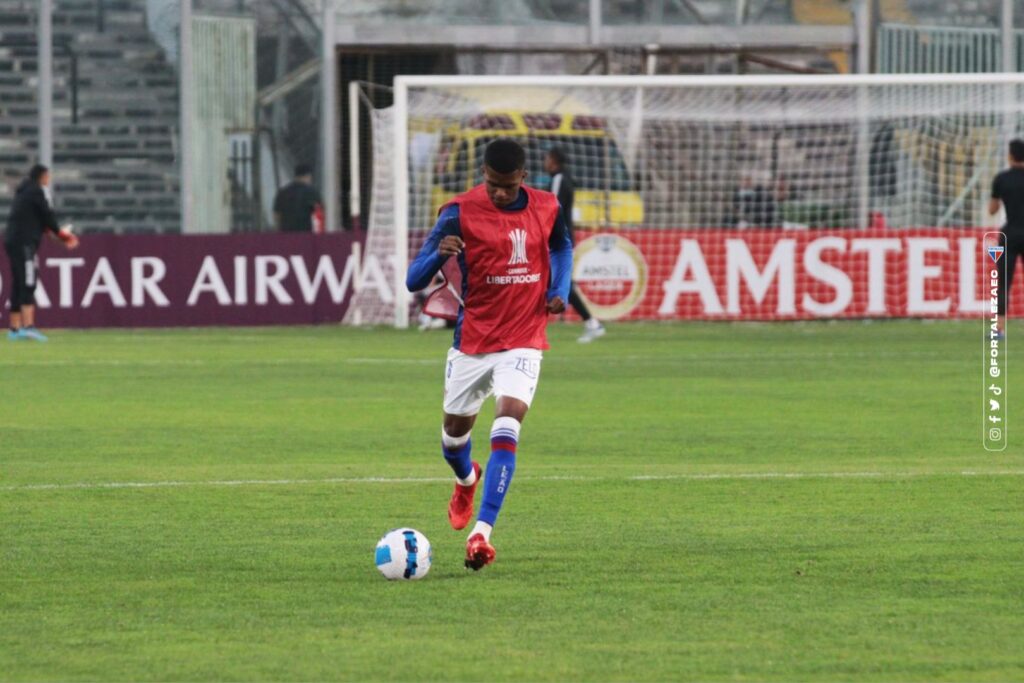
710,476
664,360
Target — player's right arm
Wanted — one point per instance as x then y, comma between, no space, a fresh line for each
44,211
48,219
444,241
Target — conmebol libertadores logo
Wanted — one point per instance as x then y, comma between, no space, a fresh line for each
518,239
611,275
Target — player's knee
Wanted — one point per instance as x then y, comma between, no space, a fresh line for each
511,407
457,425
22,296
454,438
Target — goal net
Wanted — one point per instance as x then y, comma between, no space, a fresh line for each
718,189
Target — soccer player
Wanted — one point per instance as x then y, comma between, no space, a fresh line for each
556,163
31,215
514,252
1008,189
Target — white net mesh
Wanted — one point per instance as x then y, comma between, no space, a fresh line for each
656,162
375,305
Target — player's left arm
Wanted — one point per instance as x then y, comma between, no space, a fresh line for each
560,248
995,198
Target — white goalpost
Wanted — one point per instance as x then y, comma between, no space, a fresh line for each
666,164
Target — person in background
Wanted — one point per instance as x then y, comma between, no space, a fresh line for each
556,163
31,216
754,204
298,206
1008,191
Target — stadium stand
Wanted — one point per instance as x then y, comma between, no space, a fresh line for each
722,12
896,11
962,13
825,12
116,170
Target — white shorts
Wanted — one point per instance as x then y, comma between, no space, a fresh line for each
469,380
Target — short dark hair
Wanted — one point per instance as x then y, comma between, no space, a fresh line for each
505,155
1017,150
559,155
303,169
37,172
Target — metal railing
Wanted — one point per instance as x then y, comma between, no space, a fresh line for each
942,49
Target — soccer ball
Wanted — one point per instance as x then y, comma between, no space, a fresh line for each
403,554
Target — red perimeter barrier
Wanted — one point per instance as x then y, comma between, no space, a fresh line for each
277,279
177,280
785,274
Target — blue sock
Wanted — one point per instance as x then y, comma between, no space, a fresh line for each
500,468
458,458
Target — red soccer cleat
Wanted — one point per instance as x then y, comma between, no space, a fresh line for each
479,553
460,507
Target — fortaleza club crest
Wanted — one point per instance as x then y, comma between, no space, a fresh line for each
994,253
610,273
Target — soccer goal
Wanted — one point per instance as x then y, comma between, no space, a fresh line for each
745,172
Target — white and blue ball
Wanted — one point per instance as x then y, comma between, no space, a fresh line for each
403,555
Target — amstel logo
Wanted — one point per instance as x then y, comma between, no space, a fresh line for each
611,275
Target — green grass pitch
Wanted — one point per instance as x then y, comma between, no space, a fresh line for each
692,502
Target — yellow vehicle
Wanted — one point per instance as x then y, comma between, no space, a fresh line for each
606,193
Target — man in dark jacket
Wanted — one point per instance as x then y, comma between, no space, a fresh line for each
298,206
31,216
1008,192
556,163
